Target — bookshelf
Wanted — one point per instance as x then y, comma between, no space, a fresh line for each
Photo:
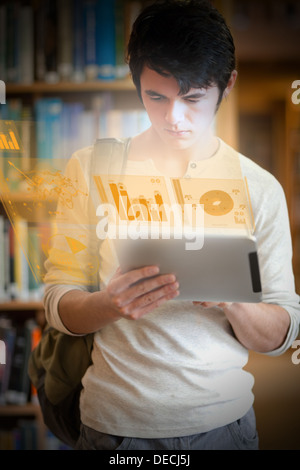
269,113
23,423
71,87
42,71
293,174
260,104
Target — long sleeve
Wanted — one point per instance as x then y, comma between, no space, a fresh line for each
72,262
274,248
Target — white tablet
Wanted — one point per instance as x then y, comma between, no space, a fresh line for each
225,269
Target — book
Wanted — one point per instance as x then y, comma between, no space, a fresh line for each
22,247
25,46
90,39
46,40
36,335
13,292
106,49
78,44
7,335
2,43
2,257
132,10
39,40
27,136
65,39
18,391
48,114
11,41
28,435
121,68
21,259
51,41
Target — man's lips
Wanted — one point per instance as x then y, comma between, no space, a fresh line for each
177,133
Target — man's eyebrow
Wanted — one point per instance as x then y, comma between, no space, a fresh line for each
194,95
153,93
197,94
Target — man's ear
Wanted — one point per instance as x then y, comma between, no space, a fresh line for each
230,84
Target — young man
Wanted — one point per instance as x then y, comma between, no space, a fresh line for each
168,374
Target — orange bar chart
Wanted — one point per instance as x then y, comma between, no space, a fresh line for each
9,140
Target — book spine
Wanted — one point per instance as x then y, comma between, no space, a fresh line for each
122,69
8,336
65,39
3,32
19,387
39,40
48,113
21,259
27,137
90,39
36,336
11,42
51,43
41,130
106,49
87,134
132,10
6,259
12,279
78,46
75,110
28,439
54,127
25,65
16,394
34,263
2,257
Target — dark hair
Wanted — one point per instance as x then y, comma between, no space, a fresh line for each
186,39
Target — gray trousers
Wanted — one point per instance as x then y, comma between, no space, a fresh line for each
239,435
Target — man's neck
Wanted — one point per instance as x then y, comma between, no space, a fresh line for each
169,160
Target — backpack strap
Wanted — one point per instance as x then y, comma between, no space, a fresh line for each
110,156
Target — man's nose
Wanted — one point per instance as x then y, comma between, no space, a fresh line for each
174,113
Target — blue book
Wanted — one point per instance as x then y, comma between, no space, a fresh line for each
41,131
122,69
48,127
74,130
106,39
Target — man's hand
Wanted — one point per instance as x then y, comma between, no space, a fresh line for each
133,294
130,295
261,327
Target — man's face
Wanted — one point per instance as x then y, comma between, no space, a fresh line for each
180,121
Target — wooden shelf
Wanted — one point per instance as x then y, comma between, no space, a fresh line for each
70,87
18,305
23,197
263,90
30,409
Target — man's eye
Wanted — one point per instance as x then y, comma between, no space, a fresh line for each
156,98
192,100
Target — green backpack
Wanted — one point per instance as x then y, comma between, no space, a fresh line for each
58,363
